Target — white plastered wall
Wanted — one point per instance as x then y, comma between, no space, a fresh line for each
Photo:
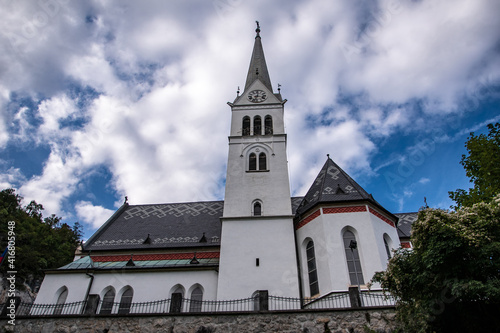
77,285
271,240
326,231
153,286
147,286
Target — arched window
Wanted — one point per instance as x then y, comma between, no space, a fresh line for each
246,126
252,162
176,300
257,125
126,301
196,300
387,246
257,209
352,257
268,125
107,302
262,161
61,299
311,269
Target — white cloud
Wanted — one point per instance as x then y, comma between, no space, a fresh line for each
11,178
429,50
24,128
424,180
58,181
164,72
95,216
53,111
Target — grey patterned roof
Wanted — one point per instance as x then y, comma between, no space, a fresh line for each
334,185
176,225
405,222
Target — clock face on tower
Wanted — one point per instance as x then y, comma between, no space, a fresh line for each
257,96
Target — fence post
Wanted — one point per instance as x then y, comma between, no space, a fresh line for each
263,300
354,297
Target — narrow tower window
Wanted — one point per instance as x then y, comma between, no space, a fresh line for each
387,247
352,257
246,126
252,162
257,209
262,161
268,125
311,269
257,125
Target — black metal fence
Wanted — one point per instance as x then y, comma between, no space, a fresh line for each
260,302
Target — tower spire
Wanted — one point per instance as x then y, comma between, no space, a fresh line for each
258,67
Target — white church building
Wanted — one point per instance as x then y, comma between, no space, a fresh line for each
258,238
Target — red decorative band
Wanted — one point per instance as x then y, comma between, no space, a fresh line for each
307,219
382,217
348,209
161,256
406,245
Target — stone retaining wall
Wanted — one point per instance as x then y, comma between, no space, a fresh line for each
349,321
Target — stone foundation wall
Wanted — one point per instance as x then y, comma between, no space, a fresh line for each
348,321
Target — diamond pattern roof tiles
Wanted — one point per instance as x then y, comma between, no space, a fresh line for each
194,224
405,222
332,185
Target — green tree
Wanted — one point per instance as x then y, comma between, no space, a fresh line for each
482,166
450,280
39,243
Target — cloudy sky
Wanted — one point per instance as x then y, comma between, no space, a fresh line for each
102,99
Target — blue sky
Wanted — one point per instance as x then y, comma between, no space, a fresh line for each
102,100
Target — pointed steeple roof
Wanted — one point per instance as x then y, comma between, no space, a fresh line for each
258,67
333,185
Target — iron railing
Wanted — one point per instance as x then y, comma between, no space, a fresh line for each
370,299
338,300
329,301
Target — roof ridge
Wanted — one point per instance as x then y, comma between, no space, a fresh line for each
177,203
320,196
351,180
105,225
326,185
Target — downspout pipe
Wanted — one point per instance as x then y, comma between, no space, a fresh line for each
91,275
299,269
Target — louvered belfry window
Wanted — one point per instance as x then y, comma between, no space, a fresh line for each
246,126
268,125
257,125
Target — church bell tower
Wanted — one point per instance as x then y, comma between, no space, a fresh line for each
257,241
